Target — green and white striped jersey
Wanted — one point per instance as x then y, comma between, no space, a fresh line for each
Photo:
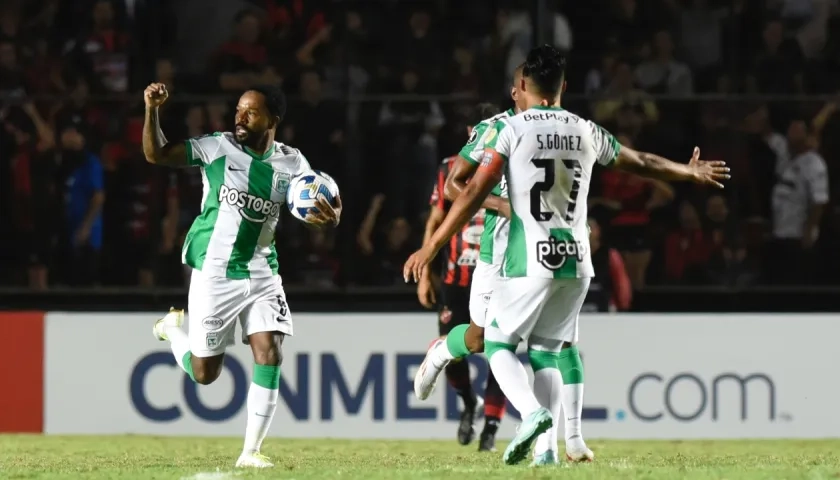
244,193
549,156
495,234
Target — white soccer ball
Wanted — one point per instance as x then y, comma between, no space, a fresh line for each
306,188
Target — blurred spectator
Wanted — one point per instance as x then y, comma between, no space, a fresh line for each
12,77
597,79
102,50
33,189
702,30
409,129
620,92
778,66
799,200
730,263
610,289
243,61
323,146
663,74
316,266
632,199
687,249
84,196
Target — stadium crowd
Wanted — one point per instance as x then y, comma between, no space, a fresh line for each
378,93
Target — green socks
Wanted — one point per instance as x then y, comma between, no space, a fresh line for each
267,376
570,365
456,341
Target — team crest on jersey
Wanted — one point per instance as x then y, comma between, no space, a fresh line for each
281,182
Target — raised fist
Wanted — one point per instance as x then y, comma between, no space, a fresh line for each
155,95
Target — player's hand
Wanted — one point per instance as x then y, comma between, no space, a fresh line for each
155,95
708,172
325,214
426,292
417,265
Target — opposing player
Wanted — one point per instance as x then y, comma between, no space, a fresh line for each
547,155
230,248
455,305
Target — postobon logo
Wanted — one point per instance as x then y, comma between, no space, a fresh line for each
552,253
251,207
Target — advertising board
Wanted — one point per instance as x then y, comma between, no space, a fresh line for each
350,376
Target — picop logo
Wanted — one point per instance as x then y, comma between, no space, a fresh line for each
251,207
553,253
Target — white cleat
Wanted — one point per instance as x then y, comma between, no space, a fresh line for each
427,375
175,318
253,460
577,451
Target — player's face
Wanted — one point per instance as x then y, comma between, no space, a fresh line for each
252,118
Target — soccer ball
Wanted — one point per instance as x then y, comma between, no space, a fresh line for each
306,188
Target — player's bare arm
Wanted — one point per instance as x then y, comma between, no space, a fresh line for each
649,165
488,175
456,181
156,148
426,283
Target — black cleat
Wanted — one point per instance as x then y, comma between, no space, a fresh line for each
466,430
487,442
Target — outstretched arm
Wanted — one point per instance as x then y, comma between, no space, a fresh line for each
660,168
156,148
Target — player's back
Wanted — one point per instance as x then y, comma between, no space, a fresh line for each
551,154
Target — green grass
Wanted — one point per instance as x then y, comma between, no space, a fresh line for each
29,457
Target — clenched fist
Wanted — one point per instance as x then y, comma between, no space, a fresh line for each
155,95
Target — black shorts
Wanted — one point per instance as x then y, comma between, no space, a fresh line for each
454,308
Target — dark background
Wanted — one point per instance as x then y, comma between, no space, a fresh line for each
377,95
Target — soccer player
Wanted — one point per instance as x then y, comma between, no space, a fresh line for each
464,339
456,305
547,155
230,248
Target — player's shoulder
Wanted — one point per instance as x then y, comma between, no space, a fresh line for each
289,157
490,121
215,137
283,150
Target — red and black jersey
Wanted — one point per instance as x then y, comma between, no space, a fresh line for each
461,253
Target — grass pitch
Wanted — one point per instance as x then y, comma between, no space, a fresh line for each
128,457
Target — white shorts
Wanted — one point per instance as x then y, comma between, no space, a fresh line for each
215,304
484,280
541,309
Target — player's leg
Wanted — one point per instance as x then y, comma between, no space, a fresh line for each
454,312
460,341
213,304
514,309
266,321
481,290
557,332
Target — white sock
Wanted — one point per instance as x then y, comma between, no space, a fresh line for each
179,342
262,403
548,385
573,409
513,380
440,355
